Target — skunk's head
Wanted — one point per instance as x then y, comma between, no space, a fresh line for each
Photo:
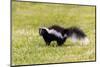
42,31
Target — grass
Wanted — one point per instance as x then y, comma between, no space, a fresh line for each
29,48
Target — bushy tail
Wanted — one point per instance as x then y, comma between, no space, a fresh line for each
76,33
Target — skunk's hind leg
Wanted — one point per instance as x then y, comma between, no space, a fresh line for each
47,41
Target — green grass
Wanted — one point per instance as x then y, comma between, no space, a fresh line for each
29,48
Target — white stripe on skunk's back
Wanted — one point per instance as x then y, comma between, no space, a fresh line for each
52,31
58,34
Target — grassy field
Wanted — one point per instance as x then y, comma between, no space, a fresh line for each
29,48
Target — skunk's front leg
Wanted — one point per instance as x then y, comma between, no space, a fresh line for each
47,41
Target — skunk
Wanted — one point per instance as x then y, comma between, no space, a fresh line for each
60,34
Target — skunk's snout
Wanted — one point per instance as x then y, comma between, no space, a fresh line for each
40,31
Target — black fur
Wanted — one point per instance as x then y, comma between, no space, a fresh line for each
69,31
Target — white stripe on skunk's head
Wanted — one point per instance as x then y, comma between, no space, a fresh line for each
43,30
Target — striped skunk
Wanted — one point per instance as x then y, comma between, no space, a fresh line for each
60,34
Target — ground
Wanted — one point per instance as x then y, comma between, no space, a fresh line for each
29,48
